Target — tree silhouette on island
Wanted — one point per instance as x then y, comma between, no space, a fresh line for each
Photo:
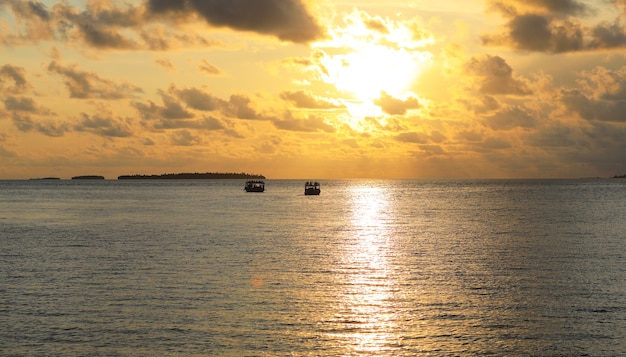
196,175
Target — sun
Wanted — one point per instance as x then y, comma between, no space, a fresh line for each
373,69
365,61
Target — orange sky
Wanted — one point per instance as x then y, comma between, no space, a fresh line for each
313,89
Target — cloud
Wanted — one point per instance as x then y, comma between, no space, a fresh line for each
376,24
302,99
310,124
608,35
198,99
239,106
553,26
185,138
12,79
21,104
392,124
104,125
165,63
25,123
209,68
206,123
594,109
553,136
180,106
412,137
170,110
600,95
394,106
25,105
492,143
288,20
495,76
510,118
470,135
87,85
561,7
100,25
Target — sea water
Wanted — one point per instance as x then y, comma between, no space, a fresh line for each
367,268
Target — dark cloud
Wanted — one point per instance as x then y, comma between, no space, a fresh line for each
310,124
554,27
510,118
531,32
210,123
553,136
25,123
101,25
185,138
554,7
288,20
104,126
13,79
239,106
590,108
155,38
102,37
206,123
608,35
21,104
173,109
86,85
302,99
179,106
198,99
600,95
25,105
394,106
495,76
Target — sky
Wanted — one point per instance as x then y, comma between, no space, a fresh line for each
313,89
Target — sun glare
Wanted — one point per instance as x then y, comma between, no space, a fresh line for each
364,61
367,72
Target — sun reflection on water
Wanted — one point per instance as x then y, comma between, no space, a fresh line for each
366,320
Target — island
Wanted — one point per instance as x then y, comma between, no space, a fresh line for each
45,178
619,176
196,175
88,177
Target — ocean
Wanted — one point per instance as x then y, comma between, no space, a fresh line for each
367,268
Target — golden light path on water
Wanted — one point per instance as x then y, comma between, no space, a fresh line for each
368,320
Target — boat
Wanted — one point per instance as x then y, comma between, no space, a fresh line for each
312,188
255,186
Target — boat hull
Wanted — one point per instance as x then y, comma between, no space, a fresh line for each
254,189
254,186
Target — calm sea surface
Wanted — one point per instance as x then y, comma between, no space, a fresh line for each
368,268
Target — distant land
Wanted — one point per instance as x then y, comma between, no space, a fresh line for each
619,176
206,175
88,177
46,178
